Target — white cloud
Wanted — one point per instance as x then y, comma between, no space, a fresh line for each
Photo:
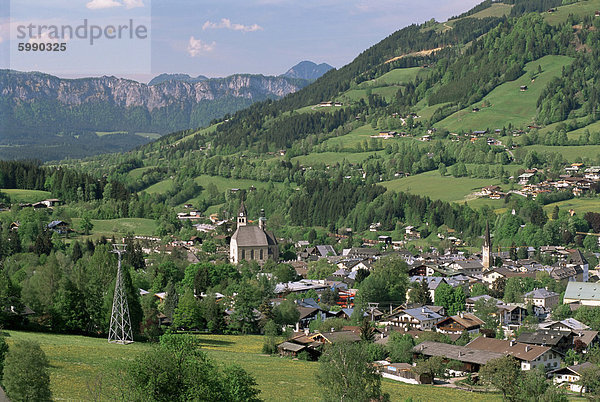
45,38
226,24
100,4
133,3
1,39
196,47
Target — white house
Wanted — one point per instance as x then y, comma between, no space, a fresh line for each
569,376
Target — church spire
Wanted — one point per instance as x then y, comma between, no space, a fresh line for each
487,248
242,216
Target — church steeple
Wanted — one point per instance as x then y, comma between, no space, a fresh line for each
487,247
242,216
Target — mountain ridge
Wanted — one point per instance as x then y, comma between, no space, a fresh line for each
307,70
38,108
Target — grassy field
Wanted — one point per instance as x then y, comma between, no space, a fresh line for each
432,185
496,10
151,136
76,361
330,158
109,227
579,205
353,138
580,9
395,77
103,133
592,128
137,173
161,187
224,183
206,130
570,153
497,205
427,111
17,195
507,104
354,95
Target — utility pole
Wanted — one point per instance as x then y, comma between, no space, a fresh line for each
120,322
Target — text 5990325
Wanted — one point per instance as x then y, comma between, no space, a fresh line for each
41,47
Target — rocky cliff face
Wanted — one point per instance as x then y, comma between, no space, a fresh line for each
32,87
46,117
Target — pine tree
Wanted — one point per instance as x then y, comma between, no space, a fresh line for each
171,300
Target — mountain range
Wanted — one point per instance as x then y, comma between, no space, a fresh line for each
46,115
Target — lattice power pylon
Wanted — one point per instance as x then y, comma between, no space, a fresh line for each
120,322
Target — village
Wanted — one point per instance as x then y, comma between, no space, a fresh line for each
482,328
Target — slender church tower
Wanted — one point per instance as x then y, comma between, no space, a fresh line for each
487,248
242,217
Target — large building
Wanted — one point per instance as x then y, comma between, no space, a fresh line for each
250,242
584,293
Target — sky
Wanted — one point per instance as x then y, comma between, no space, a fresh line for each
214,38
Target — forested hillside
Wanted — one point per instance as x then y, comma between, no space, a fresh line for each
320,156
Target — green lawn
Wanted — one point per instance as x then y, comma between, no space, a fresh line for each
224,183
497,205
427,111
353,138
354,95
151,136
507,104
18,195
76,361
137,173
330,158
394,77
203,131
569,152
580,9
103,133
579,205
432,185
594,127
110,227
496,10
161,187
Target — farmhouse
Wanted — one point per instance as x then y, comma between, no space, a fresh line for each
570,376
569,324
530,356
457,324
59,227
421,318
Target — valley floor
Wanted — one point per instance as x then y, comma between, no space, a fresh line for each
80,364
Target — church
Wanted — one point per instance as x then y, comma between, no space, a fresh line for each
250,242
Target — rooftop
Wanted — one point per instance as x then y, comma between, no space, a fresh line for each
583,290
520,351
540,294
460,353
